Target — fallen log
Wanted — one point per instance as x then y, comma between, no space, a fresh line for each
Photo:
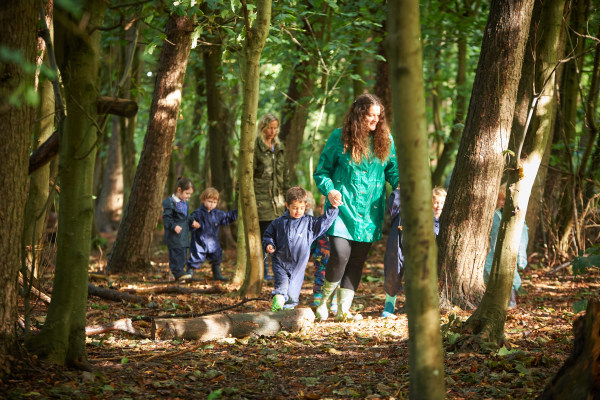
36,292
125,325
114,295
173,289
579,377
240,325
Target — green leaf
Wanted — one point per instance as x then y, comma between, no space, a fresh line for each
579,306
124,360
216,394
521,368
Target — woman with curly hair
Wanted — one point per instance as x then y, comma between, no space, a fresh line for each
355,164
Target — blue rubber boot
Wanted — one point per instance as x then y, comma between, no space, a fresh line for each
389,307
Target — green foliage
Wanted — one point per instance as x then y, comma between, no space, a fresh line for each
586,261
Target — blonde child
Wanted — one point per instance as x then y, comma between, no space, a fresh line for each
205,243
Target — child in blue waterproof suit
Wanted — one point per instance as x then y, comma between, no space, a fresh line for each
205,243
177,225
393,262
288,240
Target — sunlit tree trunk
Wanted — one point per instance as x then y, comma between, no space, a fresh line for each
39,188
110,199
252,49
62,339
425,353
17,31
382,79
131,251
467,217
489,318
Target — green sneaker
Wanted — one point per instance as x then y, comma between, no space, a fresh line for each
278,302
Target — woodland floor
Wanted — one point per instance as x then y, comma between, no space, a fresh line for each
367,359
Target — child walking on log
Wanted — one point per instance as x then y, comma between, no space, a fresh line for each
288,240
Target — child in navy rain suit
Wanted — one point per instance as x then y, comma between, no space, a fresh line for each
205,243
393,261
177,225
288,239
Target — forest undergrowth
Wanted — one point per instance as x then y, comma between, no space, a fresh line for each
365,359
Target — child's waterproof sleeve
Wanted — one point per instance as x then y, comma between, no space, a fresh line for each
167,216
228,217
269,236
323,222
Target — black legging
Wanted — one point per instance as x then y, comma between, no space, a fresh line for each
346,261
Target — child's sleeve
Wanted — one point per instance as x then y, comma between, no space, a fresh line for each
229,217
168,215
394,204
324,222
269,236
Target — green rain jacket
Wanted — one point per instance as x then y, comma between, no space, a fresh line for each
270,180
362,186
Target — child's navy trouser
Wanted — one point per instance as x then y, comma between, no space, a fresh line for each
288,284
177,258
198,255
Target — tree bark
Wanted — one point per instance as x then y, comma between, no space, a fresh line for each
253,45
62,339
110,200
18,22
131,251
239,325
426,357
488,320
467,216
579,377
116,106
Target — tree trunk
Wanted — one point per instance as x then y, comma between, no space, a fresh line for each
62,339
39,188
488,320
239,325
445,159
128,151
382,80
110,200
131,251
467,216
426,357
253,45
214,109
579,377
570,105
18,24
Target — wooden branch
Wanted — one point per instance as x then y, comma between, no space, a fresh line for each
114,295
44,154
36,292
121,107
219,326
173,289
125,325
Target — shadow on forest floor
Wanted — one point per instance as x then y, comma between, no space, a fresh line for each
366,359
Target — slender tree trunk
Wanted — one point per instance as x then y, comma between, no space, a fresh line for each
254,43
62,339
445,159
128,151
426,357
214,108
382,80
131,251
110,200
17,31
569,109
489,318
467,216
39,188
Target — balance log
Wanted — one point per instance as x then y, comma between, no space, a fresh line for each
240,325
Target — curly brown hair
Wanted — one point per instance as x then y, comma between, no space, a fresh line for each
355,133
